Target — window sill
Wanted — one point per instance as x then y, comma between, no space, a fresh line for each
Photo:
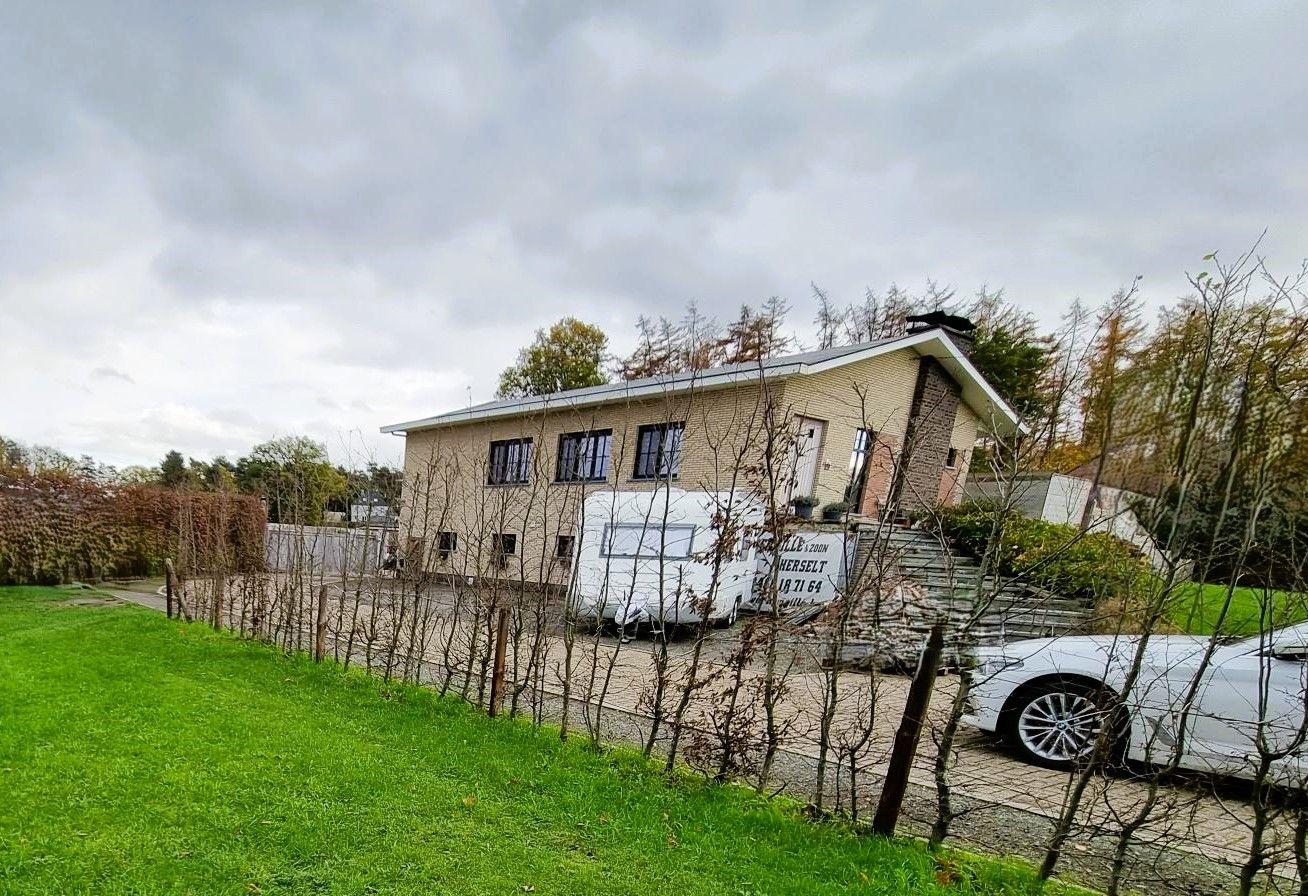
506,484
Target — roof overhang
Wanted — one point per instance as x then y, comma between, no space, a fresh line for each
995,415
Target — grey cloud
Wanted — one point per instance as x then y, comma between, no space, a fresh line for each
411,191
110,373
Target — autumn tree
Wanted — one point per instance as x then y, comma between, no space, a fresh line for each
757,334
698,342
570,355
828,320
137,474
1118,337
1251,355
12,453
877,316
665,347
295,477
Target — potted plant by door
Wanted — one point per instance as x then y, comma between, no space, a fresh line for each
803,506
834,512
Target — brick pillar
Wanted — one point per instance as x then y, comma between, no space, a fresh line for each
936,396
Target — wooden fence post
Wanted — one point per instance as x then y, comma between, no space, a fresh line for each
497,678
908,735
320,627
168,587
218,583
170,575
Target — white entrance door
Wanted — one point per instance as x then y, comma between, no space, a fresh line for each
808,448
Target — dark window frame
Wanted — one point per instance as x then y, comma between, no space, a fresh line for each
860,460
559,553
653,462
447,543
587,453
507,466
499,557
951,459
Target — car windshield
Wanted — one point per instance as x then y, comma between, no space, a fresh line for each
1291,634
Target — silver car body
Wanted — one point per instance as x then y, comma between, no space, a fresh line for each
1238,702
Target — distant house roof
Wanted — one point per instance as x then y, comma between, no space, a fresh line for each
979,395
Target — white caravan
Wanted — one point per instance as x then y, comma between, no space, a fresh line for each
813,565
647,557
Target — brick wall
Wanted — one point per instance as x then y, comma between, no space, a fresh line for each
875,394
446,487
445,468
931,426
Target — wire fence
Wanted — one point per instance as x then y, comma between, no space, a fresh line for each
778,700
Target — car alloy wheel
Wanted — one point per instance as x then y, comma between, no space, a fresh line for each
1058,727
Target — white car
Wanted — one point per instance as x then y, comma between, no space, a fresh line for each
1050,697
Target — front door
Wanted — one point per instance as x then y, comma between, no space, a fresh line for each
808,450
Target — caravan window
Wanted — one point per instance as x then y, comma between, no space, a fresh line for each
645,540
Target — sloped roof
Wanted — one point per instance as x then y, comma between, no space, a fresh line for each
979,395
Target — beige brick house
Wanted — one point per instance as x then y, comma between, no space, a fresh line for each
494,489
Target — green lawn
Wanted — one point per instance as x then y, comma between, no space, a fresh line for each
143,756
1196,609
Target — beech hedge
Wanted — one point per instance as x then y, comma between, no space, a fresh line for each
57,527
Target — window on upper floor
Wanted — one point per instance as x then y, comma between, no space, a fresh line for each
584,456
509,462
446,544
658,451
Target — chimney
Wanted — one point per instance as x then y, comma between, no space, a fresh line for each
958,328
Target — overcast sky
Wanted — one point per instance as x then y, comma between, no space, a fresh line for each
223,222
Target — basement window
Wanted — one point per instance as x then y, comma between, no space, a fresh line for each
446,544
564,547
